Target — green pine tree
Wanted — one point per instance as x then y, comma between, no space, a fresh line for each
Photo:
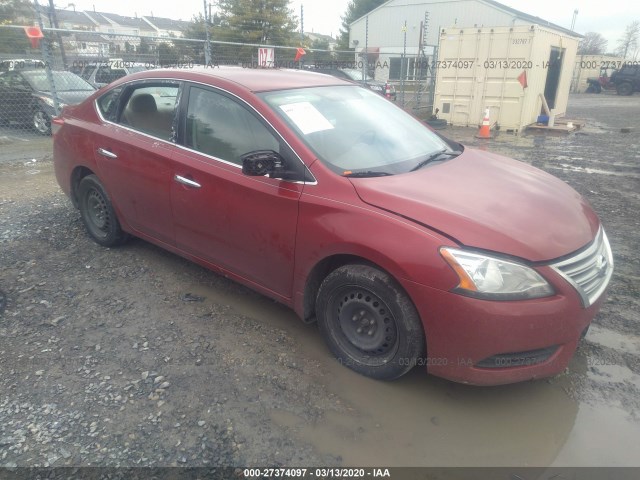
257,21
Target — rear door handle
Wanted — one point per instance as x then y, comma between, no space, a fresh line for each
107,153
186,181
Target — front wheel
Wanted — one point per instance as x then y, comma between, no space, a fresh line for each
42,122
98,214
369,323
624,89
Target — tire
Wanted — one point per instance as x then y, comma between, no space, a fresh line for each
437,123
98,214
624,88
41,122
369,323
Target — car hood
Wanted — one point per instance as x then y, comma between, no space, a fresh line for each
69,97
490,202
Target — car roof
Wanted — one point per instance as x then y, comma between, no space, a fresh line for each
252,79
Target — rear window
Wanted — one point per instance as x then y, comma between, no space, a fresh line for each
108,104
629,70
106,74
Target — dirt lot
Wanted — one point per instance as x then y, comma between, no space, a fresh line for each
134,357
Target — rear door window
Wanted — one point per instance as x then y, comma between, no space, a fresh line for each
150,108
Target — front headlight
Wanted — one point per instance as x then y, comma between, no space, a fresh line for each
492,278
49,101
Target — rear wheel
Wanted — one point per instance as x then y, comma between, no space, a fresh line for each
369,323
42,122
624,88
98,214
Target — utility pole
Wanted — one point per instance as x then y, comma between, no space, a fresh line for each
573,21
301,34
403,63
207,45
54,18
44,45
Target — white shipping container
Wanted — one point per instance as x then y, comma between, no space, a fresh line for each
479,68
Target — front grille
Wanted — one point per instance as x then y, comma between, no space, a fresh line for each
590,270
518,359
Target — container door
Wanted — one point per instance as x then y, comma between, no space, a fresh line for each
556,56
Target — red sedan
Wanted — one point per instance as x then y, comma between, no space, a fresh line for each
406,248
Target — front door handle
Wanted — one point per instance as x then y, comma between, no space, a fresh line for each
186,181
106,153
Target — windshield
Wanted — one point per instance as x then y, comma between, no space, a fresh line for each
353,130
357,75
64,81
137,68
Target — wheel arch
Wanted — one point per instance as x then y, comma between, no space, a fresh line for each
323,268
77,175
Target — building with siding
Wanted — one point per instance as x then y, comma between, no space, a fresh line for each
381,33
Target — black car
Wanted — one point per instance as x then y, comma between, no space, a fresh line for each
25,96
627,79
355,75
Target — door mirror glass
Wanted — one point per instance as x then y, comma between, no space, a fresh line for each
262,162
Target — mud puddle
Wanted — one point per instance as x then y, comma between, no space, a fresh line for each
424,421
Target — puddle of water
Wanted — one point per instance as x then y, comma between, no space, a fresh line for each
602,436
613,373
614,340
424,421
572,168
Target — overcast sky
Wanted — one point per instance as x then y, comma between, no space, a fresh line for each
606,17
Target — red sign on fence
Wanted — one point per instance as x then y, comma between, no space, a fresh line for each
266,57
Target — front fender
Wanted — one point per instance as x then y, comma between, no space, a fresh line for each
404,249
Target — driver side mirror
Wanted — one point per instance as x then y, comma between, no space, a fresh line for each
263,162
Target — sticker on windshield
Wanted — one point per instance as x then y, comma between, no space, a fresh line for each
306,117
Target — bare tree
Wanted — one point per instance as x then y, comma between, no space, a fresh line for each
592,44
628,43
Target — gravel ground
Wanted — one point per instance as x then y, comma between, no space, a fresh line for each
136,357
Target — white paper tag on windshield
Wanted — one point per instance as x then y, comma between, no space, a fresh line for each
306,117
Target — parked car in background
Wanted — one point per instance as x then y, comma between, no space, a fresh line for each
10,64
26,98
407,248
627,79
103,73
352,74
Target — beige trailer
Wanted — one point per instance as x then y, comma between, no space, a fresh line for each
505,69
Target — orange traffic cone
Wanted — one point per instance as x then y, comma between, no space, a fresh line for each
485,128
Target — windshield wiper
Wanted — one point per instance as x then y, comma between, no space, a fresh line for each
367,173
435,156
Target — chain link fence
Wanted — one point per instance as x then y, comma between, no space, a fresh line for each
68,65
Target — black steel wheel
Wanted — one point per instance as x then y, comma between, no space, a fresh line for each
41,122
624,88
368,322
98,214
